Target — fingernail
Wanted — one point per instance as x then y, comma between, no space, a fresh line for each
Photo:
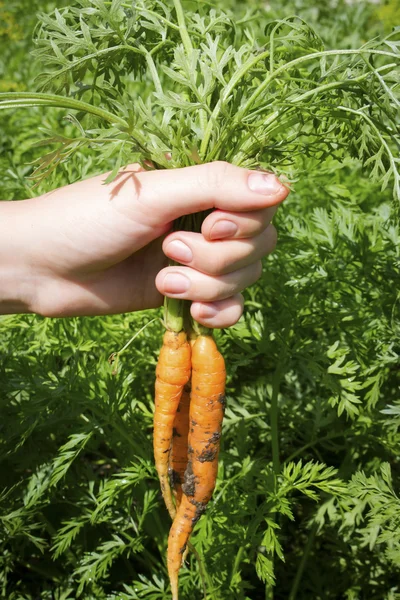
176,283
264,183
223,229
208,311
179,251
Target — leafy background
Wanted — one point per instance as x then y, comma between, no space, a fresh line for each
306,504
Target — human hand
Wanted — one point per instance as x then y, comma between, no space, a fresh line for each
94,248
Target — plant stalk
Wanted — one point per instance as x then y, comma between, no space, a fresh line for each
280,70
261,88
174,314
303,562
19,99
269,592
237,562
182,27
274,419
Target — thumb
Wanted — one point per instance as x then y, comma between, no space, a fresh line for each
155,198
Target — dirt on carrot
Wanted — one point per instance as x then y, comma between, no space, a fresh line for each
207,405
172,374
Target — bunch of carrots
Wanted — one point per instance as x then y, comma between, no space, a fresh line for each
189,408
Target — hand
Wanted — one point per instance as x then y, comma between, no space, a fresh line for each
91,248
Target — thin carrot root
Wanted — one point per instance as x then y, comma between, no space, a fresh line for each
179,535
178,457
173,373
179,450
207,406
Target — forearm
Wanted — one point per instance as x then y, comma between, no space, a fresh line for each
17,281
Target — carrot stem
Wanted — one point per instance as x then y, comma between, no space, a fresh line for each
173,313
199,329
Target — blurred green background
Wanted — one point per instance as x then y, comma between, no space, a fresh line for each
81,514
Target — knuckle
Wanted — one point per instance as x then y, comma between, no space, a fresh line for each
240,302
54,301
215,174
257,226
214,264
219,291
273,234
271,238
217,266
236,307
257,272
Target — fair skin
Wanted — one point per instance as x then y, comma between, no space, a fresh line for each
93,249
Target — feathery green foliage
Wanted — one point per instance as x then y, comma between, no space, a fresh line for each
213,89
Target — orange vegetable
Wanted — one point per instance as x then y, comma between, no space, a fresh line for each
179,451
172,374
207,406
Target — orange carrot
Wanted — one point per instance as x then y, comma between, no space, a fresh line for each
179,451
173,373
206,413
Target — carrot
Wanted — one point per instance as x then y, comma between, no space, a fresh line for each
206,413
172,374
179,450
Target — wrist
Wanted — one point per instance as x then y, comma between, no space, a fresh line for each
18,283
